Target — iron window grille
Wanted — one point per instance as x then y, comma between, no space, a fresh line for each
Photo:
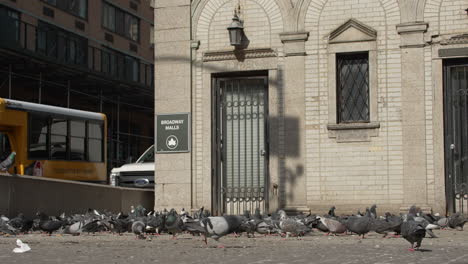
352,83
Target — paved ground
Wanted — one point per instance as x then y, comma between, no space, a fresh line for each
451,247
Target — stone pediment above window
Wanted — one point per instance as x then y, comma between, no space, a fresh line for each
352,31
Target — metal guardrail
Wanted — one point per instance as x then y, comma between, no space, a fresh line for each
63,47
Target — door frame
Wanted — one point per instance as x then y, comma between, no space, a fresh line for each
448,137
217,203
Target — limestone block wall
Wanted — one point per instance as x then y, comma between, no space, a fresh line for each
263,22
395,162
354,173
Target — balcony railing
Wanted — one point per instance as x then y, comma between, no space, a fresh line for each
69,49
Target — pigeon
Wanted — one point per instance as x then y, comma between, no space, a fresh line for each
264,228
383,226
443,222
413,232
199,214
333,226
249,226
174,223
138,228
415,213
373,211
457,221
74,229
155,223
47,225
219,226
360,225
8,162
6,228
21,223
331,212
95,226
119,226
396,222
290,226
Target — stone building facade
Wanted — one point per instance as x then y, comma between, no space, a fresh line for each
395,155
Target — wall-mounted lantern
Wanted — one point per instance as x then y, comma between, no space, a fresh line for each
236,31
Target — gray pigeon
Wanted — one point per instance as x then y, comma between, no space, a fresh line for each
291,226
457,221
373,211
219,226
413,232
138,228
174,223
360,225
415,213
8,162
443,222
333,226
74,229
6,228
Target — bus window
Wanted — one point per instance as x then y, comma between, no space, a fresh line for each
5,148
38,127
95,143
77,140
58,139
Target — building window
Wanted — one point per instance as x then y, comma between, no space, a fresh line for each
120,22
352,83
120,66
62,45
76,7
9,19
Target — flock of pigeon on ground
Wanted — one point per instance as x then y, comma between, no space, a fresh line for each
412,226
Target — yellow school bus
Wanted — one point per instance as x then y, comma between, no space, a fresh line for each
53,142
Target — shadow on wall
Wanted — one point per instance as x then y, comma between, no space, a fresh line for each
284,131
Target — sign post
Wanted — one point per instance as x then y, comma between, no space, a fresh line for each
173,133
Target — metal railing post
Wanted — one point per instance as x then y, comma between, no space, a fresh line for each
9,81
40,87
68,94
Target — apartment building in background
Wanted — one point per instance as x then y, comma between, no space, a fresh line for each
94,55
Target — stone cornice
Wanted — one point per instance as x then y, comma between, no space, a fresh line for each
238,54
294,43
413,27
460,39
294,36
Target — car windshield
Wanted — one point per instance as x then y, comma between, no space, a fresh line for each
148,156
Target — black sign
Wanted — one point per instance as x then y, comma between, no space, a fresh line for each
172,133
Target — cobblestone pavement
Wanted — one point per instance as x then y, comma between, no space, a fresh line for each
451,247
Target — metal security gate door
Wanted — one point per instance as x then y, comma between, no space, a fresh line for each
242,144
456,134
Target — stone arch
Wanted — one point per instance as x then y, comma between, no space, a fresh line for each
201,16
412,10
391,8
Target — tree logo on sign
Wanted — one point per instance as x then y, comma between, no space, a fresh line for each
172,142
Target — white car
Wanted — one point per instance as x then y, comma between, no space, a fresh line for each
139,174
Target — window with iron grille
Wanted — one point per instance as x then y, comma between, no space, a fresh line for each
352,83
